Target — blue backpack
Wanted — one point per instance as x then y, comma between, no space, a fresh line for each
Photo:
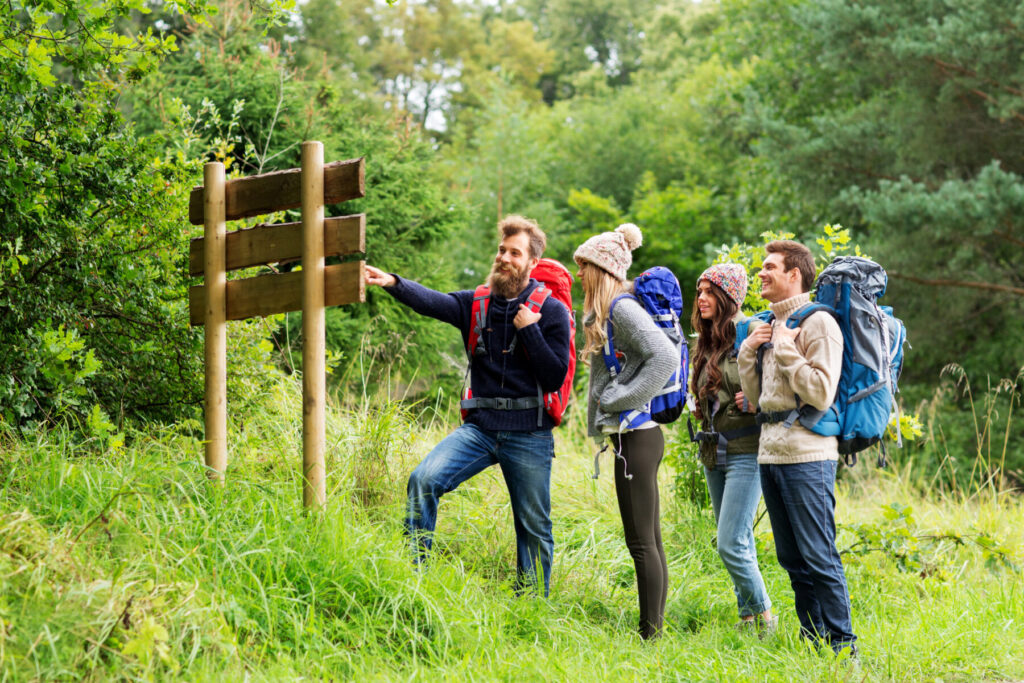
848,289
658,291
743,329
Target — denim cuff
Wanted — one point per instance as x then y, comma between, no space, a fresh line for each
752,610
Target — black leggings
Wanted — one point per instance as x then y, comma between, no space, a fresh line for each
641,520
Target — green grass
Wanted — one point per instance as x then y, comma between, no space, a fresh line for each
133,566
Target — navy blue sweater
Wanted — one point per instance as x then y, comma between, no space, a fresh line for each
540,354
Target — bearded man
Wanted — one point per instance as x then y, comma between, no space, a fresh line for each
518,351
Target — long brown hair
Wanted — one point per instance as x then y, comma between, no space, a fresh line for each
715,338
599,290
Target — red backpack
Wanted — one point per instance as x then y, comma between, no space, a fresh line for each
555,280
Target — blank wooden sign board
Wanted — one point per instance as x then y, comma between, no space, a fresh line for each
308,290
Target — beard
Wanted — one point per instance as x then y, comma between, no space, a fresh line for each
507,281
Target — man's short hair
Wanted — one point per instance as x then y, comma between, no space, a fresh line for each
795,255
513,225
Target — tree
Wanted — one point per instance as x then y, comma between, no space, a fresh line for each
92,309
85,318
435,60
900,119
604,34
278,103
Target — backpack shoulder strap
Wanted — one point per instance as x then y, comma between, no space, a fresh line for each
478,317
807,414
797,317
537,298
620,297
759,361
534,301
611,361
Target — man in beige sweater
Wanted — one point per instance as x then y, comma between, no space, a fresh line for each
799,366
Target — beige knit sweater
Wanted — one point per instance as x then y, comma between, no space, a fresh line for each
810,368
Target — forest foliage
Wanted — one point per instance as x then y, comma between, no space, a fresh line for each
712,124
706,123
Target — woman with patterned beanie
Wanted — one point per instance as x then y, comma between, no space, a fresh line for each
648,361
729,436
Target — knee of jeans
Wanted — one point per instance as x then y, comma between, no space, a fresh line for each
733,553
536,524
422,481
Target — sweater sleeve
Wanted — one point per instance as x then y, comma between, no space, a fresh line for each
648,350
812,365
453,308
547,345
598,381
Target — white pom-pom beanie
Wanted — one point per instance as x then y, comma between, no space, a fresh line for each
611,251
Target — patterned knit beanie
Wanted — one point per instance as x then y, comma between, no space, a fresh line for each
731,277
611,250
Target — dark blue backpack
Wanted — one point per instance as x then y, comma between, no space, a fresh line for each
658,291
848,289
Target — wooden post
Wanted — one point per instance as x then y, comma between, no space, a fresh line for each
310,289
215,328
314,376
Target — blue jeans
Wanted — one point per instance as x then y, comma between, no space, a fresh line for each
801,503
735,488
525,460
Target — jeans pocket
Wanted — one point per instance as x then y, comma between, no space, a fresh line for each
544,440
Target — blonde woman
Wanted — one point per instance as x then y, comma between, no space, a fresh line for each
648,360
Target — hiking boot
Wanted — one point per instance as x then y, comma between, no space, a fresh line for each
852,653
766,628
745,626
848,656
650,631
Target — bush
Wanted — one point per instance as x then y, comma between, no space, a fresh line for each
92,256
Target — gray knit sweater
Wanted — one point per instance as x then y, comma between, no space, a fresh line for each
649,360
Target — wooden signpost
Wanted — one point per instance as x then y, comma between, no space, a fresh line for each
312,240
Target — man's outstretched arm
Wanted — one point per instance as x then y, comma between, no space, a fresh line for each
451,308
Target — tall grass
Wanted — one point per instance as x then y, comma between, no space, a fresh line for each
136,567
974,439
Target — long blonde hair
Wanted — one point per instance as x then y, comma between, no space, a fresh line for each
599,290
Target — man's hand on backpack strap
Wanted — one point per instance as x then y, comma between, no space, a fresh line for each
376,276
762,334
525,317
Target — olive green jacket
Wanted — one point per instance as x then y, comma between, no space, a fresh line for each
729,416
